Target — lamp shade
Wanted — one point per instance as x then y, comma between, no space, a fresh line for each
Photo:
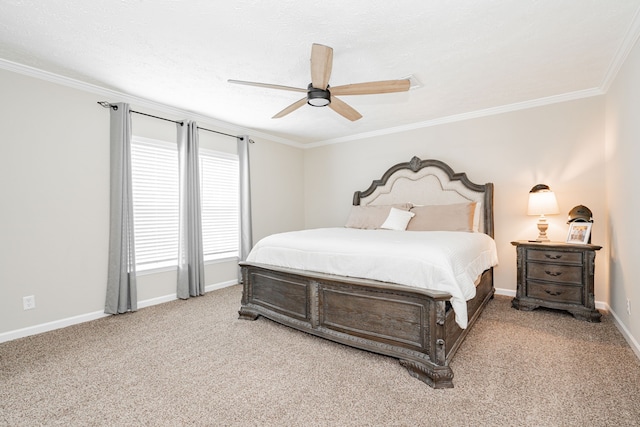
542,201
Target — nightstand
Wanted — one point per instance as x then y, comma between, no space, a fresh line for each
556,275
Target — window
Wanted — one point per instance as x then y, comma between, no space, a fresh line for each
220,202
156,208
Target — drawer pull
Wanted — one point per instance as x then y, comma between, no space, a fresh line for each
553,273
553,256
553,293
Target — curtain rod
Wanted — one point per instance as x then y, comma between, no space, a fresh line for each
115,107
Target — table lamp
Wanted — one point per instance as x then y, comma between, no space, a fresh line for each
542,201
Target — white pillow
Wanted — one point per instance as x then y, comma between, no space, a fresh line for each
397,220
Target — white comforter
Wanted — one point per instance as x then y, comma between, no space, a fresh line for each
437,260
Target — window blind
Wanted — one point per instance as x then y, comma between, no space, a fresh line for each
220,201
155,202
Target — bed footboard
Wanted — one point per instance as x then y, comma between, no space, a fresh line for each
412,325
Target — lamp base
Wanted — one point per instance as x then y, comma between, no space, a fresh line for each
542,229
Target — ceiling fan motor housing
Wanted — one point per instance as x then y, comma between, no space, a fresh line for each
318,97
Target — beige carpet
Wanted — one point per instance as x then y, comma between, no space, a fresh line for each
194,363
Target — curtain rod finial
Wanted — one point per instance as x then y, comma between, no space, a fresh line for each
105,104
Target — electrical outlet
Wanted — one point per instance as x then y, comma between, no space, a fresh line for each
628,306
29,302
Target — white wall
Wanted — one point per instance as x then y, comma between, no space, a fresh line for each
623,175
560,145
277,188
54,187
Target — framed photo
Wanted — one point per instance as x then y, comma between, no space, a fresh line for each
579,232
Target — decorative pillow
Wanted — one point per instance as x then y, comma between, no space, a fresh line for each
397,220
372,217
455,217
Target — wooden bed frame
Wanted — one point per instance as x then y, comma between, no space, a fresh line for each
416,326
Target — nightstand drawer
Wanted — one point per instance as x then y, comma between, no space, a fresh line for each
555,256
554,273
557,293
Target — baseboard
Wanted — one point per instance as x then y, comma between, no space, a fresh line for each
50,326
220,285
63,323
505,292
635,346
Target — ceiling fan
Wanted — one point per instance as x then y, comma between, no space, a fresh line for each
320,94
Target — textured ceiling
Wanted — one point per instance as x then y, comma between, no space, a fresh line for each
469,55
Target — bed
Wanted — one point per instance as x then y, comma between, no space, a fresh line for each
422,324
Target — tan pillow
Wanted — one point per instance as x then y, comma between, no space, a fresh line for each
372,217
455,217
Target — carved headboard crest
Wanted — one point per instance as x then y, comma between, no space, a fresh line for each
414,164
428,182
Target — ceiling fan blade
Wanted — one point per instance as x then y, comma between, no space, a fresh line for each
344,109
369,88
291,108
267,85
321,63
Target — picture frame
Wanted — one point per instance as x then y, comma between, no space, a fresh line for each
579,232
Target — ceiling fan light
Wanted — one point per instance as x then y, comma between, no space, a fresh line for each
318,97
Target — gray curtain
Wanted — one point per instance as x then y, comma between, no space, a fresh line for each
246,234
121,277
190,253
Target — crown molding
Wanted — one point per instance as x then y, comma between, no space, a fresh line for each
629,41
466,116
116,96
623,52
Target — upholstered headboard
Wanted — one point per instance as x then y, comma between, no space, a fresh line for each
428,182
